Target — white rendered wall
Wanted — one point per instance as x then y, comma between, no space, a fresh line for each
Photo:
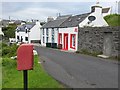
34,33
49,35
23,34
70,30
99,22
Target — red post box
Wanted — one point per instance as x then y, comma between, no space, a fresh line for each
25,57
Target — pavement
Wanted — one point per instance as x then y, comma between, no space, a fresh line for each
78,70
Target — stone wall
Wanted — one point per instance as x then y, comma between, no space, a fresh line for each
96,40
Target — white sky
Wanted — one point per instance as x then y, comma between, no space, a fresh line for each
37,9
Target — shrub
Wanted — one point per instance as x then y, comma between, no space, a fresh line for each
9,50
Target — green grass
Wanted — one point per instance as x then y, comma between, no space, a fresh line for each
37,78
113,19
0,73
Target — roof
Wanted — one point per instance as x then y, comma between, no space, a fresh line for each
66,21
24,26
54,24
63,17
74,20
105,10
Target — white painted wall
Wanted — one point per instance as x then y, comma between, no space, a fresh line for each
23,34
99,22
34,33
49,35
70,30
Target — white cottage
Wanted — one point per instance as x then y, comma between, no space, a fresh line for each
28,33
68,32
95,18
49,31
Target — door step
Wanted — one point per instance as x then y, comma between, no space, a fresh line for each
103,56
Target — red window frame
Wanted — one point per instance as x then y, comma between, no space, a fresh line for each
60,38
71,41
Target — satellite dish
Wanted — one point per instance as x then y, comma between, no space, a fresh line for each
91,18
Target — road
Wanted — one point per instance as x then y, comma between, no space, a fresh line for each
79,71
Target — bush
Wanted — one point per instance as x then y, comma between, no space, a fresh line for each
9,50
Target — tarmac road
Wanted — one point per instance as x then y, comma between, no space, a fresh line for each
77,70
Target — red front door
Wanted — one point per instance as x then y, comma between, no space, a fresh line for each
65,41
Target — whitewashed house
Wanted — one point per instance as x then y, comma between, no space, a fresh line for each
28,33
95,18
68,32
66,29
49,31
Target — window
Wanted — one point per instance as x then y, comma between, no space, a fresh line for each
26,31
60,38
21,38
18,37
53,34
72,41
43,31
47,32
47,39
43,39
26,38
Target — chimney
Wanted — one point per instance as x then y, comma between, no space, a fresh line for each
23,22
37,22
50,19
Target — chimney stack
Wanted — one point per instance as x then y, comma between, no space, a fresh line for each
50,19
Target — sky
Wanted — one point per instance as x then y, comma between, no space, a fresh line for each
42,10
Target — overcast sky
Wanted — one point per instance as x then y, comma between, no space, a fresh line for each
41,10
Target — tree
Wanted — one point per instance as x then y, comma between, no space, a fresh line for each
9,31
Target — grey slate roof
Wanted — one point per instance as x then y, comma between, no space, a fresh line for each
74,20
63,17
105,10
66,21
24,26
54,24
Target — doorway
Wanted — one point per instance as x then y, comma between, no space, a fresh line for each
66,41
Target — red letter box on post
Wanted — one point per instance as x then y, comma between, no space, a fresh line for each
25,57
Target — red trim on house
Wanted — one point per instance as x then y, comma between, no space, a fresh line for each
71,42
65,41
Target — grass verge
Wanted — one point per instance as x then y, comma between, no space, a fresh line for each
37,78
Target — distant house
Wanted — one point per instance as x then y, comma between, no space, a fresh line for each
1,33
28,33
64,31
